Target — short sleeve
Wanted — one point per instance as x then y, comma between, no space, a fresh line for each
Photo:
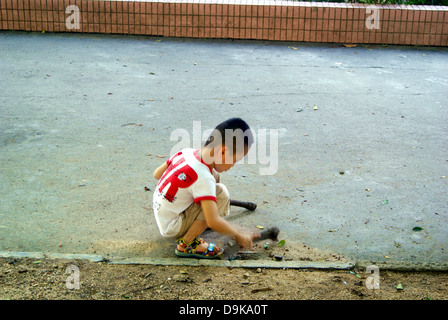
170,160
204,189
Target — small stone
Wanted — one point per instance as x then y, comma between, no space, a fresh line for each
181,278
22,270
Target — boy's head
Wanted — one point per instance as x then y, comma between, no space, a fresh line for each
228,143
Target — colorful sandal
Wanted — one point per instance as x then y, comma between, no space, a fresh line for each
190,250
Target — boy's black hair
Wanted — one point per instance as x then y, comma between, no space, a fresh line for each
236,129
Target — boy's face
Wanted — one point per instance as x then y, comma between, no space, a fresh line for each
226,159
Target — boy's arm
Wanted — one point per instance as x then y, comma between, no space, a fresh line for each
160,170
217,223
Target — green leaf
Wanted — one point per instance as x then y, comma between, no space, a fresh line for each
385,202
399,286
281,243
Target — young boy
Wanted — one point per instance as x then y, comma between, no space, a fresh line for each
189,196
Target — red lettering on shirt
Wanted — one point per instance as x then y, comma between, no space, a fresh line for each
182,177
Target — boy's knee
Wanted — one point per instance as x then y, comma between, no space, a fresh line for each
222,199
221,192
216,176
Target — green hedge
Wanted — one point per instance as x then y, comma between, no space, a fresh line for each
405,2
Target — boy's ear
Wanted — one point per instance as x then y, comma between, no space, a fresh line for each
224,150
221,151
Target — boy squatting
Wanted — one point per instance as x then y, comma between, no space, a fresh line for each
189,196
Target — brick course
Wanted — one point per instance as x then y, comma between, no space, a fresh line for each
237,19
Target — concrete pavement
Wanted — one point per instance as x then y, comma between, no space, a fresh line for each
85,119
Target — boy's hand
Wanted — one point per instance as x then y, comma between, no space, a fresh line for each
244,240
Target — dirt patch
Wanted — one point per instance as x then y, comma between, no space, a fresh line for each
47,279
122,247
280,250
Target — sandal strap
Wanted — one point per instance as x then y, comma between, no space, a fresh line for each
200,239
189,247
211,248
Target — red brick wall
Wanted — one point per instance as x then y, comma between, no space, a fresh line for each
238,19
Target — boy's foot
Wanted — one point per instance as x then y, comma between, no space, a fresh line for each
198,248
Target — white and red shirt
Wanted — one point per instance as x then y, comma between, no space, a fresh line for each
187,179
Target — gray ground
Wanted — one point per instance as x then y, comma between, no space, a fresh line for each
72,177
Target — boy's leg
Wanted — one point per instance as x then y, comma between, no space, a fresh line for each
194,223
195,230
222,196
